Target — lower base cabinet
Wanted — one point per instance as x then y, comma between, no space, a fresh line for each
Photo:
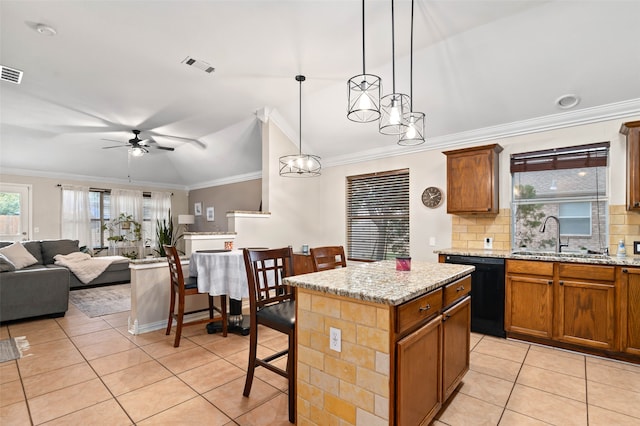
630,311
432,354
455,345
419,381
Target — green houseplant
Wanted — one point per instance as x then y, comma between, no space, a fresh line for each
165,234
124,230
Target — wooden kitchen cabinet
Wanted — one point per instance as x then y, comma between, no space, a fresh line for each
586,305
529,298
419,379
630,311
432,351
632,131
455,345
472,179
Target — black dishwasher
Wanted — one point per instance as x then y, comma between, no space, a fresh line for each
487,293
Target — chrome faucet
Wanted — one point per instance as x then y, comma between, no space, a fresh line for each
559,244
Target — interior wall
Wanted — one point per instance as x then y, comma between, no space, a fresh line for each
224,198
428,168
47,200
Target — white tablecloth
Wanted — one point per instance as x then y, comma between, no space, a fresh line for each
220,273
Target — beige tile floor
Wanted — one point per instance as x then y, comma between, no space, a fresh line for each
91,371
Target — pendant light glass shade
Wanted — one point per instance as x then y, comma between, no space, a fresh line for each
393,113
364,91
300,165
394,107
414,133
364,98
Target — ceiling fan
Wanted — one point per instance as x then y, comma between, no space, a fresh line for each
138,147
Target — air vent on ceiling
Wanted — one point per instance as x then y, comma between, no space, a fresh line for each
198,64
11,75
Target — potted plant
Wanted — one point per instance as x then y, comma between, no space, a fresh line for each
124,231
165,234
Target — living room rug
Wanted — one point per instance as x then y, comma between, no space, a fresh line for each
12,348
99,301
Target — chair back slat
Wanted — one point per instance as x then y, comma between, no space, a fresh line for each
175,267
266,270
329,257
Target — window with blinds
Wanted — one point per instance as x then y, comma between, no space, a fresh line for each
569,183
378,215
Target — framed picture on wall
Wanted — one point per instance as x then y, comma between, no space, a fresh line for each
210,214
197,209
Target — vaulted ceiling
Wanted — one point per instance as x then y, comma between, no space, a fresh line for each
481,68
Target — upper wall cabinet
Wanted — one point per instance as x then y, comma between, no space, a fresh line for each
472,179
632,131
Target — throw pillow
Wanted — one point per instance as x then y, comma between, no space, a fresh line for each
18,255
5,264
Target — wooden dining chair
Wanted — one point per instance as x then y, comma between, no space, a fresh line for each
188,286
328,257
271,304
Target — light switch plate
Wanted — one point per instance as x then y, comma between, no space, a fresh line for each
636,247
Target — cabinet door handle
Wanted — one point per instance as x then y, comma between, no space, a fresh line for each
446,317
561,283
460,288
625,270
549,282
425,308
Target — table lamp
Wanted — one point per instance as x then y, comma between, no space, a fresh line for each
186,220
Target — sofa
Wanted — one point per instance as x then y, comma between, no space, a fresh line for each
42,288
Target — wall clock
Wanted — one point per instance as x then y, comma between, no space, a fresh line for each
432,197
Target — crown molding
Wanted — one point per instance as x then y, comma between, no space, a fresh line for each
92,178
562,120
227,180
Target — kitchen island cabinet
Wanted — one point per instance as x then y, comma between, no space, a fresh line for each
388,366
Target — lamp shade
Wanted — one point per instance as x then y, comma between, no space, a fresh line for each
186,219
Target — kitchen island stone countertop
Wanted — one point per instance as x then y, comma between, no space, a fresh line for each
546,256
379,282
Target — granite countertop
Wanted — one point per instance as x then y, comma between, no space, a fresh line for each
547,256
379,282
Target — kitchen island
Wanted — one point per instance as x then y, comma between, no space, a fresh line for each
377,346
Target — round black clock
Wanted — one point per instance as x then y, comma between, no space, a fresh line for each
432,197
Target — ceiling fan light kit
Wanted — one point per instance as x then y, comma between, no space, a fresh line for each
139,147
300,165
364,91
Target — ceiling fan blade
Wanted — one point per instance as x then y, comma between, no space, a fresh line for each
111,140
166,148
115,146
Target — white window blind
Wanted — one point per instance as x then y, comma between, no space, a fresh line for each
378,215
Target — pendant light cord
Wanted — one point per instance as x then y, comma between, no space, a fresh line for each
411,64
364,72
300,116
393,48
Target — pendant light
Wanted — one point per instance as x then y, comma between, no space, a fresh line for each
364,92
393,107
300,165
414,133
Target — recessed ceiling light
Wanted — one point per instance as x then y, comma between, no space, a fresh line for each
46,30
567,101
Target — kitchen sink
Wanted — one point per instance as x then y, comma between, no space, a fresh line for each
576,254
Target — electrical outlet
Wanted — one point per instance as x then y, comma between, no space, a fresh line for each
488,243
335,339
432,241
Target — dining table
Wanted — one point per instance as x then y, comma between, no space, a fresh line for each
222,272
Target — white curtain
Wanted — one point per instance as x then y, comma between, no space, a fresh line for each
75,217
159,210
128,202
